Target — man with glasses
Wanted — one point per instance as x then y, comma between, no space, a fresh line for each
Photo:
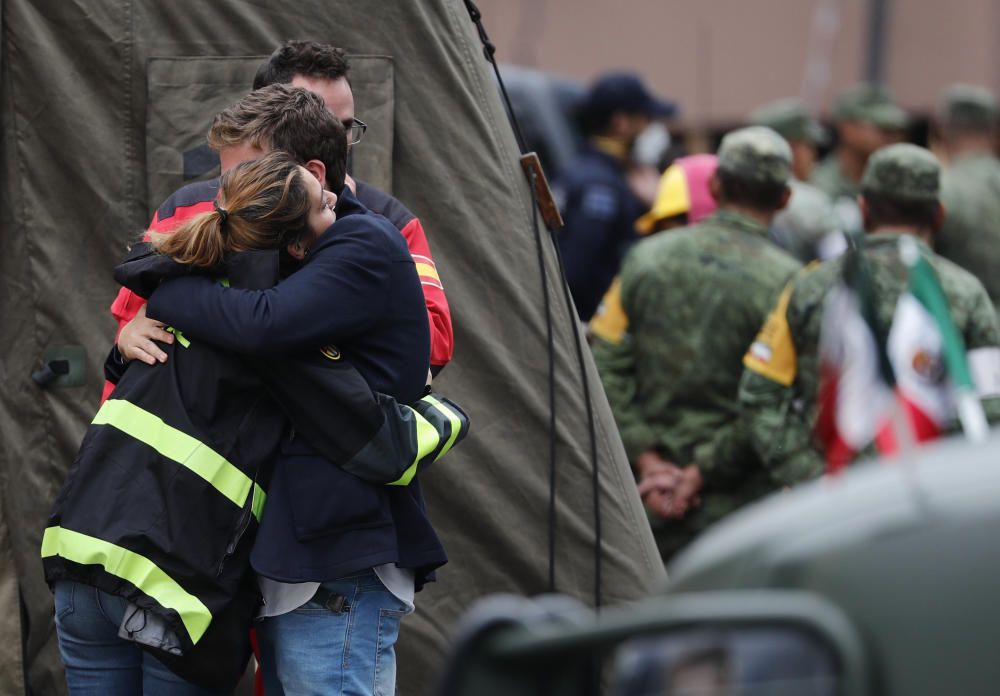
324,69
321,69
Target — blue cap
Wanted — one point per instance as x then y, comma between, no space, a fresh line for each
623,91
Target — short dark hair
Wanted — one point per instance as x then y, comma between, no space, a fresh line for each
895,211
309,58
759,195
291,119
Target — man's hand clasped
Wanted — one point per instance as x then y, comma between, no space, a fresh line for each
666,489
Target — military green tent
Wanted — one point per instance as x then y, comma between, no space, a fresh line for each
105,106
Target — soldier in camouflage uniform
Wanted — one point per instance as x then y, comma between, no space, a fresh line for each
970,186
695,297
807,224
866,118
778,391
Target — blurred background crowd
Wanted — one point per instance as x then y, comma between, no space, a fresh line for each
706,411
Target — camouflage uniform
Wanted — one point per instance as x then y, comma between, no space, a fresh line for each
970,191
806,224
778,394
808,220
694,299
861,103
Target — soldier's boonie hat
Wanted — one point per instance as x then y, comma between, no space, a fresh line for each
969,106
903,171
789,118
870,103
683,189
756,153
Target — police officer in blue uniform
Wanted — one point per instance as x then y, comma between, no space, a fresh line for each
598,206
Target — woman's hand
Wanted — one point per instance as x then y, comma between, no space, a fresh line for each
137,339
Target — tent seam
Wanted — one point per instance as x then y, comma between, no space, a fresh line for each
44,408
127,111
20,676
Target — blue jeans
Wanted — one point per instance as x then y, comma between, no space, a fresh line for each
98,662
316,651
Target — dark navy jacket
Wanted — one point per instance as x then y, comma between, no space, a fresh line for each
599,211
359,293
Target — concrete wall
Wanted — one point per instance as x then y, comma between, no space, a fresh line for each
721,58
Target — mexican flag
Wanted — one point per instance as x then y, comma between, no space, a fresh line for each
856,397
908,387
933,377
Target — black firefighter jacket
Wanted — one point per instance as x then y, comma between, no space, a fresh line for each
162,502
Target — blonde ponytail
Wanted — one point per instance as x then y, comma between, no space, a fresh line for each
197,242
261,205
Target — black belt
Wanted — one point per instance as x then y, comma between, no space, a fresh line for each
337,603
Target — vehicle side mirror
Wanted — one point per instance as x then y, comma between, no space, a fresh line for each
732,643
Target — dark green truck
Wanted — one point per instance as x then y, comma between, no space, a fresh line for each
884,581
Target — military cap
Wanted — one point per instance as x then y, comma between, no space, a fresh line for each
789,118
903,171
870,103
756,153
624,91
969,106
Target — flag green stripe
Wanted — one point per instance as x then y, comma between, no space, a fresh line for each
925,287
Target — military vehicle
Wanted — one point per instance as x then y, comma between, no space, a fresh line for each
881,581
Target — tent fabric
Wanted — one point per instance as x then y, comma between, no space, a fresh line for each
104,105
184,93
11,676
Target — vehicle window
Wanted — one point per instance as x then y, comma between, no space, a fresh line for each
727,661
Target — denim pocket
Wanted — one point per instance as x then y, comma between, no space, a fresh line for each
64,598
385,651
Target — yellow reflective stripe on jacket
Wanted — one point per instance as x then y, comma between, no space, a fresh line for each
178,446
181,338
456,423
259,498
132,567
428,439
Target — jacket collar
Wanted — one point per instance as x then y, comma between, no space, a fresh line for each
731,218
144,269
889,235
348,204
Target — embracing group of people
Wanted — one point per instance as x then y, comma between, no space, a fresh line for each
255,461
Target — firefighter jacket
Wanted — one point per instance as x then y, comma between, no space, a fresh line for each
162,503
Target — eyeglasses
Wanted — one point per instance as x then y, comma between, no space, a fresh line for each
356,128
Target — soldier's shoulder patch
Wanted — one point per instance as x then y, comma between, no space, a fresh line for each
330,352
772,353
610,321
